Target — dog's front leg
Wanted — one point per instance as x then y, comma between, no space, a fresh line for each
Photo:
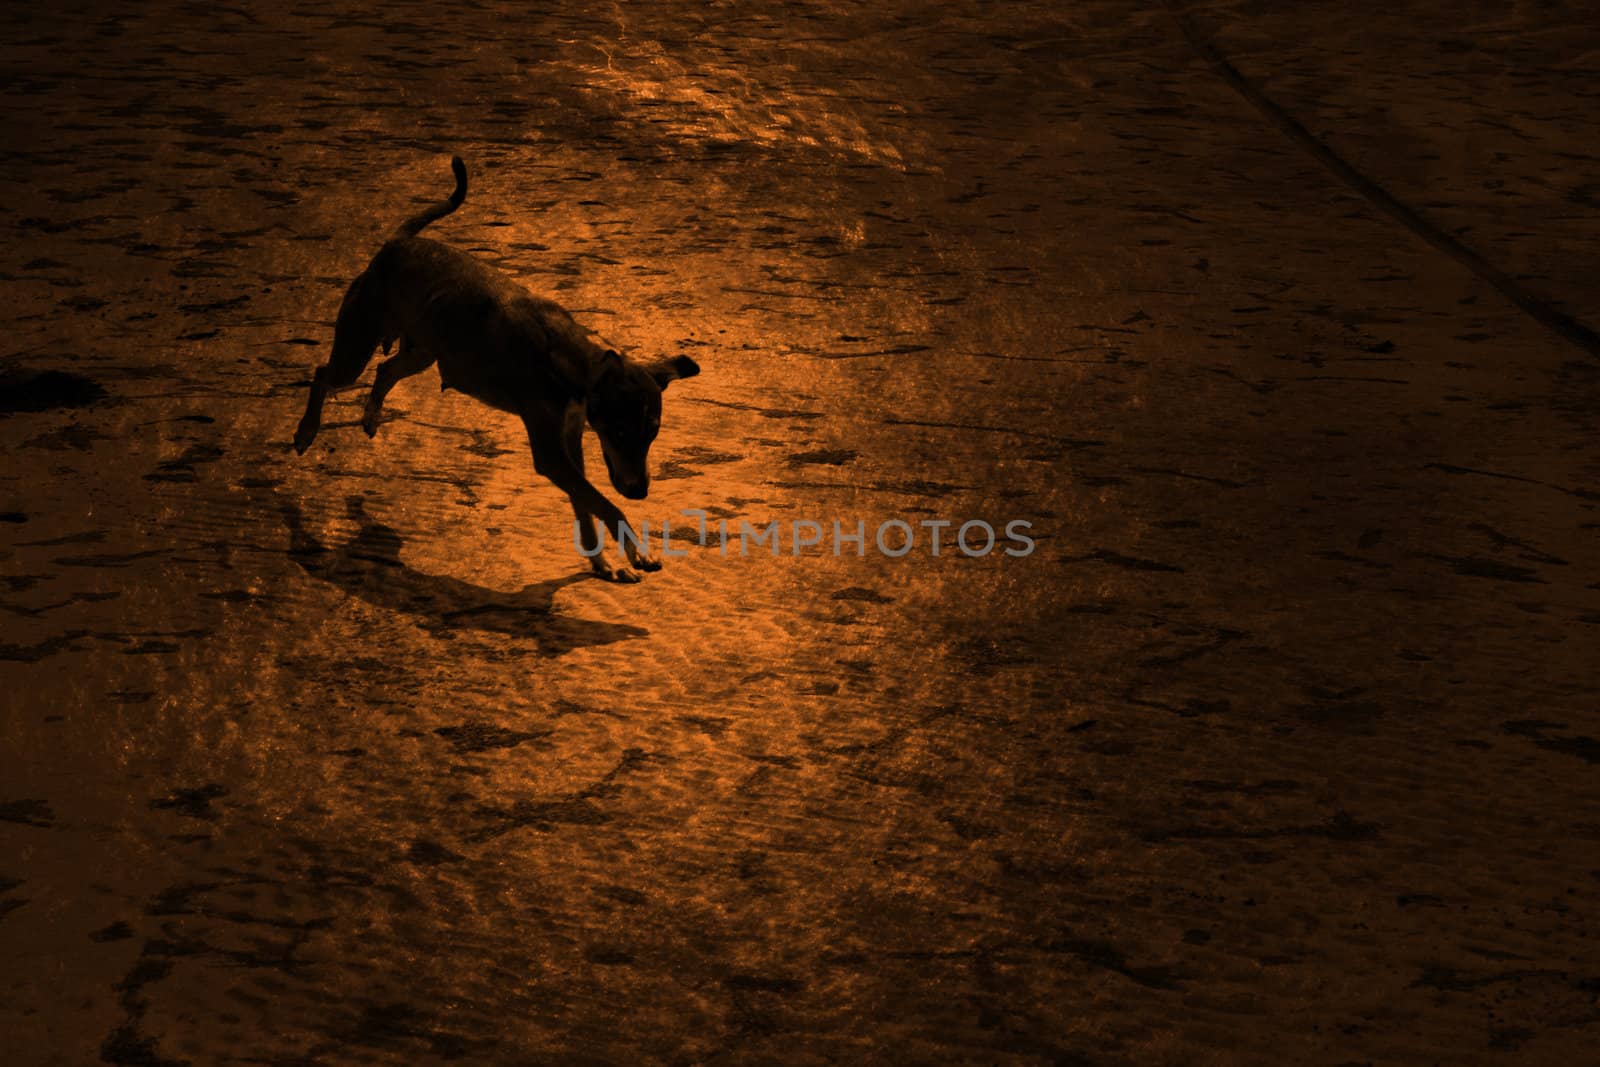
591,508
589,505
589,542
612,520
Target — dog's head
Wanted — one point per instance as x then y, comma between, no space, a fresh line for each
625,411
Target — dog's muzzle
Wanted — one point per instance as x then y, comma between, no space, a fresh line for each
628,477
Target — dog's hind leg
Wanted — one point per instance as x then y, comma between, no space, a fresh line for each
355,336
409,360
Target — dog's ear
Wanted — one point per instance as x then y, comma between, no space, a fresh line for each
670,370
610,364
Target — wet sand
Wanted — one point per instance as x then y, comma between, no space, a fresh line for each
1279,748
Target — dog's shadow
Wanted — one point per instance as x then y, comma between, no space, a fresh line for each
368,566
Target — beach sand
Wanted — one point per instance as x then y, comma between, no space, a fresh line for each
1278,748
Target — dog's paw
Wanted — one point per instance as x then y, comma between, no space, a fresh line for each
302,441
369,423
607,571
646,562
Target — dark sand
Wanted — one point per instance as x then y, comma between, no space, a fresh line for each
1279,749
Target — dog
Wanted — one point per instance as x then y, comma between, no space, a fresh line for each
514,351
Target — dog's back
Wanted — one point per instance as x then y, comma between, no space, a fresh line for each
478,323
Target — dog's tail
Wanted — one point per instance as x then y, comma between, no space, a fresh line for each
413,226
